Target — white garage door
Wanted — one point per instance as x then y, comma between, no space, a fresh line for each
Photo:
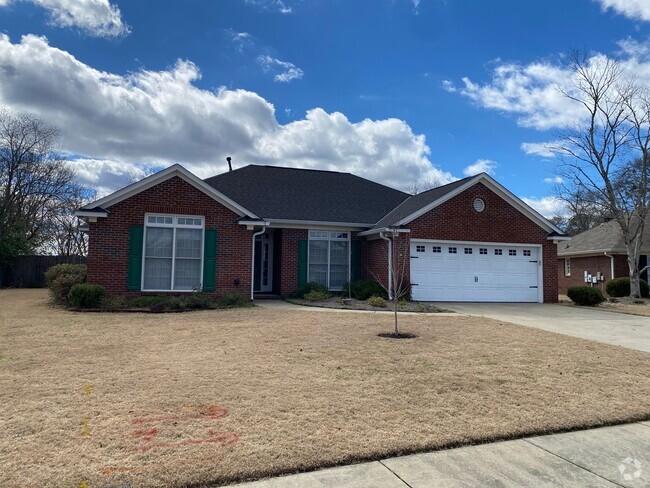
471,272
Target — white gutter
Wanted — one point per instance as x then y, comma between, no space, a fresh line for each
390,264
612,261
253,258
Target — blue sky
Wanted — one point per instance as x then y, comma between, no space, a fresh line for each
394,90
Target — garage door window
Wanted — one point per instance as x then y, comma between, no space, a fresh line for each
526,252
512,252
468,250
498,252
419,248
453,250
436,249
482,250
329,258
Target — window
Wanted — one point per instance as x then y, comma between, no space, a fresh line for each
453,250
436,249
526,252
468,250
419,248
482,250
512,252
329,257
173,253
498,252
567,267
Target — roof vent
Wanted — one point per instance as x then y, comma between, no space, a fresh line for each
229,159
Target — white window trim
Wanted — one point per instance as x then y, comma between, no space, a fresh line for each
567,266
173,226
329,239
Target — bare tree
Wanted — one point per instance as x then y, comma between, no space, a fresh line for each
606,159
425,184
396,284
63,234
35,182
584,211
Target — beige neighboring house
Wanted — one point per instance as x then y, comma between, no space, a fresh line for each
599,254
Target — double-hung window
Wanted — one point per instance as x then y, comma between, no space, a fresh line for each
173,253
329,258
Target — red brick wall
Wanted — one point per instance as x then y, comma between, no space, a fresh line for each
374,260
289,259
457,220
109,237
593,265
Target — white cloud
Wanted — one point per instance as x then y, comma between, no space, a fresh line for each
106,176
542,149
481,166
156,118
547,206
282,6
449,86
284,70
556,179
634,9
95,17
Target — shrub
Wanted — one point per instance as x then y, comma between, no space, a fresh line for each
235,299
309,287
363,289
316,296
83,295
147,301
61,278
585,295
376,301
620,287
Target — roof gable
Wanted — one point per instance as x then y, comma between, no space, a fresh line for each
98,207
418,205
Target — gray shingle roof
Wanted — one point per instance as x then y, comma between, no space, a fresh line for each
416,202
606,237
273,192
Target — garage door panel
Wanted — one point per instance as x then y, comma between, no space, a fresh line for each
503,272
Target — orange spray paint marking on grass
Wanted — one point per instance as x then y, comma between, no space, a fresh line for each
210,412
145,434
85,430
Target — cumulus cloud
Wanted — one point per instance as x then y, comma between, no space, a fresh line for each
634,9
556,179
481,166
106,176
542,149
282,6
158,118
95,17
547,206
284,70
449,86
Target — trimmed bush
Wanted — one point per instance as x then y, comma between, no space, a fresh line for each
316,296
585,295
363,289
84,295
620,287
376,301
235,299
61,278
309,287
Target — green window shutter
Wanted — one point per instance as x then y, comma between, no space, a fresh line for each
134,280
303,249
355,261
210,260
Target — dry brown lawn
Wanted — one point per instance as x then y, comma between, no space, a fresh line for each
216,396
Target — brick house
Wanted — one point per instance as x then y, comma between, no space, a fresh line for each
268,230
597,256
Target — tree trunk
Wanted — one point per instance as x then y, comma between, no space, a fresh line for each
633,254
395,312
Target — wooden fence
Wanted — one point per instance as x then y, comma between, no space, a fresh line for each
29,271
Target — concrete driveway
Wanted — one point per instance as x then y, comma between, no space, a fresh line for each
609,327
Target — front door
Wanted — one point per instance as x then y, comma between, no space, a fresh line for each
263,270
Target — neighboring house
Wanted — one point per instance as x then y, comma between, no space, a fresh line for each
266,229
597,253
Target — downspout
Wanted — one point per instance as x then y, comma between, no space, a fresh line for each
612,261
253,258
390,264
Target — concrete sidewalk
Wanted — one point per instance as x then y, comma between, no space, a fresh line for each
607,457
